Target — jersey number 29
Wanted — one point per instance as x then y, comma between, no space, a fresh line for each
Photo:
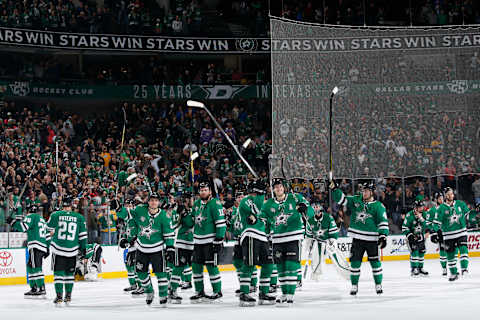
67,230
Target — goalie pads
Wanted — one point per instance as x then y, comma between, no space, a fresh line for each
338,259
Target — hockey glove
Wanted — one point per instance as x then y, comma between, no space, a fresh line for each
252,219
123,243
170,255
302,208
434,237
181,210
332,184
217,245
9,220
419,238
411,241
83,254
382,241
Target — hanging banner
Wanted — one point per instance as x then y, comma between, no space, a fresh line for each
79,41
133,92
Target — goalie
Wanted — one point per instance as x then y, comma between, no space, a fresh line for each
322,229
91,266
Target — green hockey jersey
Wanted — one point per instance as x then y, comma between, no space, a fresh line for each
209,221
368,220
185,231
235,227
452,220
413,225
38,236
474,219
152,232
248,206
283,220
70,233
322,229
91,247
430,217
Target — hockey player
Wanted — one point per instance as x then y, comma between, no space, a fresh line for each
69,237
254,244
284,216
38,240
154,237
321,227
208,236
369,230
414,228
451,227
183,247
125,214
93,260
431,214
474,218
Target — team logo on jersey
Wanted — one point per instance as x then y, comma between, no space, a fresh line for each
417,229
281,219
199,219
357,205
454,218
238,225
278,254
320,233
147,231
362,216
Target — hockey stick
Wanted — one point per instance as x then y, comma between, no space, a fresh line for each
121,149
309,256
330,157
270,173
26,182
200,105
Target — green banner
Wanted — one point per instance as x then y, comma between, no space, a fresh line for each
133,92
308,91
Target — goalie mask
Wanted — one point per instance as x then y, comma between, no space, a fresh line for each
318,209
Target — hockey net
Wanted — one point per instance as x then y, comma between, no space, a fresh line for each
408,103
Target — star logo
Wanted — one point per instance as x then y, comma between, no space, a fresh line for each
320,233
147,231
281,219
199,220
362,216
238,225
139,266
454,218
417,229
278,254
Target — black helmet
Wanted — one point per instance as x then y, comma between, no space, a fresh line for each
447,189
204,184
437,195
154,195
130,201
276,181
67,201
418,204
256,186
368,185
239,191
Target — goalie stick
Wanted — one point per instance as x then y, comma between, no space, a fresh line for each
309,257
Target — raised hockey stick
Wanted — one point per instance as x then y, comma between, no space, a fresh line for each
330,157
121,148
200,105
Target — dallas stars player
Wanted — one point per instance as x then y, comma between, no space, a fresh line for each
451,227
431,214
152,232
414,228
208,236
135,285
284,216
474,218
38,240
254,245
183,247
322,228
69,237
369,230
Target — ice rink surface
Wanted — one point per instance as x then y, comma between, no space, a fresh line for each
404,298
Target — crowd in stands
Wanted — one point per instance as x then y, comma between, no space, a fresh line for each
127,70
191,17
157,147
